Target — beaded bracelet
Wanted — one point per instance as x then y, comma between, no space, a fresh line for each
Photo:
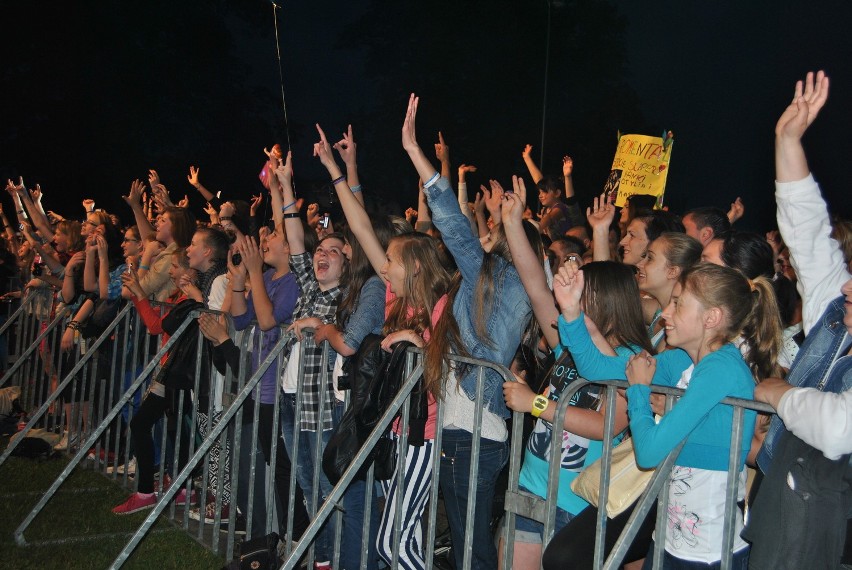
337,181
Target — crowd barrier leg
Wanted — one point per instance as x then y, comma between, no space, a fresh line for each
83,450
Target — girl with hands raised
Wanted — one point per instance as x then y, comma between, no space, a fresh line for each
491,309
406,304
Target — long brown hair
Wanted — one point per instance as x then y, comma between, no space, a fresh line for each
750,307
359,269
426,281
611,299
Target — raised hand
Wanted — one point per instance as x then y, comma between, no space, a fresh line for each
737,210
153,178
527,152
284,171
137,188
89,205
37,194
184,202
192,177
567,166
273,156
464,169
442,151
520,189
512,210
101,245
189,288
313,216
236,273
808,98
568,289
409,134
602,212
322,150
411,215
77,260
255,203
130,279
346,147
494,199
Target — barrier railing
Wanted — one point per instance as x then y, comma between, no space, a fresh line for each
229,426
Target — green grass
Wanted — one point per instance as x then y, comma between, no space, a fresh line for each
77,529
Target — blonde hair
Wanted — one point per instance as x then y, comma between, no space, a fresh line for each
750,308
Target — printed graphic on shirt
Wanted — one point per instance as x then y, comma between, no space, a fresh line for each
574,447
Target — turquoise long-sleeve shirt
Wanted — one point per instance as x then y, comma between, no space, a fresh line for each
698,415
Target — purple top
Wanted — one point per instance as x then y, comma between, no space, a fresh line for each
283,292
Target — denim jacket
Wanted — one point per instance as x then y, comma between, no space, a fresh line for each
510,310
805,227
369,314
819,365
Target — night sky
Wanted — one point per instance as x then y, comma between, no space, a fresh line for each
94,94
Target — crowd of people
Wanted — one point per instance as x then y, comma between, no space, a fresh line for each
647,296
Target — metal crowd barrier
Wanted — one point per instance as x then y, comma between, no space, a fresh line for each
229,425
544,511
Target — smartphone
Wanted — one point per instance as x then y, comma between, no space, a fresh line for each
324,221
130,267
20,227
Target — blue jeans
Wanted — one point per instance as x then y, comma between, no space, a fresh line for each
739,561
455,475
354,525
303,461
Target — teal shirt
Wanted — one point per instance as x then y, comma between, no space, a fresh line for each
698,415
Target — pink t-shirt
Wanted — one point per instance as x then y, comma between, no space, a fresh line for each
437,311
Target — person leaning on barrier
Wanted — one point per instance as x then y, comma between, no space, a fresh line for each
799,518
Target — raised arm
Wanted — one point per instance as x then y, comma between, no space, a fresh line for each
90,273
442,153
103,267
346,147
600,217
32,201
802,214
292,222
424,168
134,200
528,263
194,181
464,202
534,171
356,215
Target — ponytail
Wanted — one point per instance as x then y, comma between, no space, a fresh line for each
762,331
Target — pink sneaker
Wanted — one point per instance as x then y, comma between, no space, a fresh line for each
137,502
180,498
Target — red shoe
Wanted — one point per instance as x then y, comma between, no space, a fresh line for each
180,498
137,502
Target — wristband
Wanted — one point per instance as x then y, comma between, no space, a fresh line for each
290,215
73,325
432,181
238,290
226,219
539,405
355,189
337,181
145,267
293,203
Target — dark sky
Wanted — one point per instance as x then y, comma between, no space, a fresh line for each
95,93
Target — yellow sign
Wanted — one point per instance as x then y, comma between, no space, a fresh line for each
640,166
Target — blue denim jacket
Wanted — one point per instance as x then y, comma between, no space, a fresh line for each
369,314
819,365
510,311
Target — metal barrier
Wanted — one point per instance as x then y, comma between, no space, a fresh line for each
246,385
545,510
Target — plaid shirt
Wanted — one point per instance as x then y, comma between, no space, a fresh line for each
314,302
